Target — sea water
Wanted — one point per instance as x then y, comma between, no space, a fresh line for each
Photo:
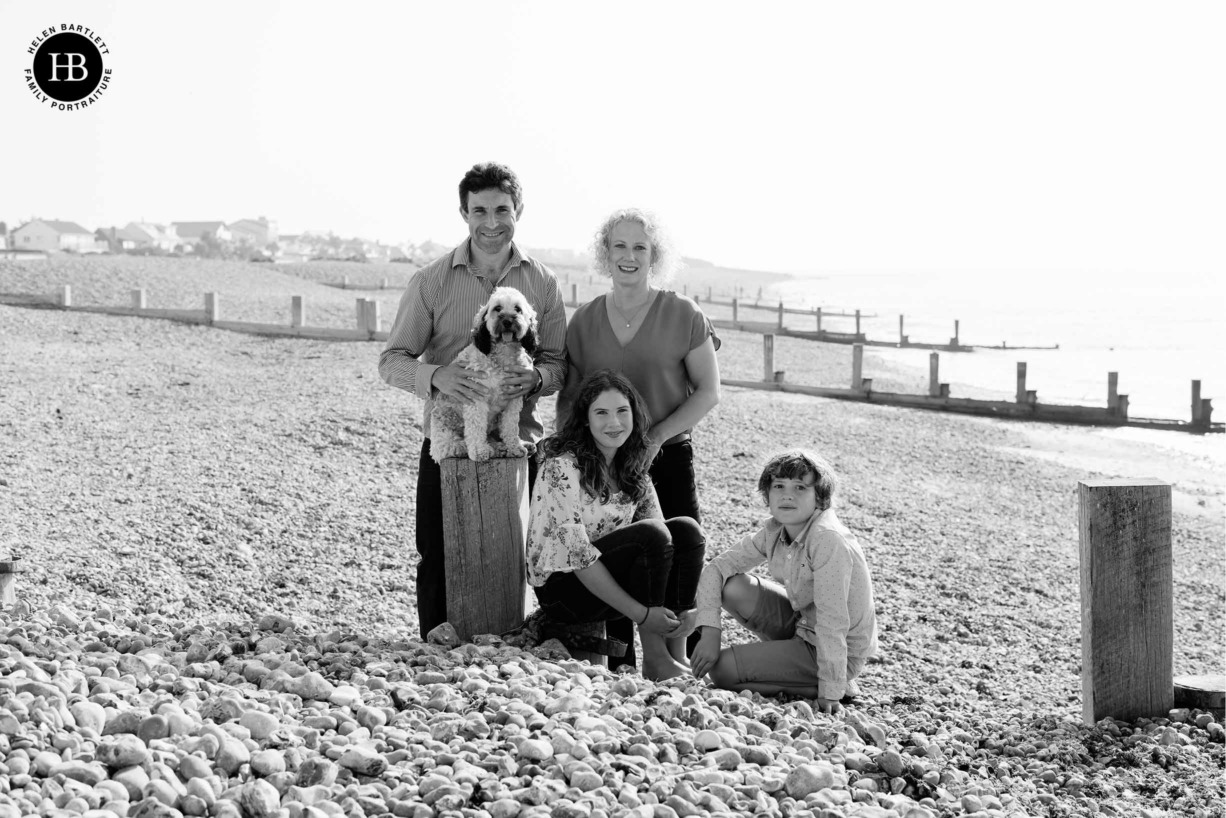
1159,332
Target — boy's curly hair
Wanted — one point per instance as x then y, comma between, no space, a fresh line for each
797,464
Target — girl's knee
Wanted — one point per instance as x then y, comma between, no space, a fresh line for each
685,531
653,532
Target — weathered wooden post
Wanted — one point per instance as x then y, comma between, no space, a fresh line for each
66,295
768,357
1113,391
902,338
819,320
297,312
574,294
1206,411
934,380
138,299
953,342
1127,617
485,520
1121,406
1196,407
212,308
857,323
1021,381
780,316
372,316
360,312
857,365
735,301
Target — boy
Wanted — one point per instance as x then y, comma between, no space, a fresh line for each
817,619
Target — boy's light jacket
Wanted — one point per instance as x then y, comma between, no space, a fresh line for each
827,581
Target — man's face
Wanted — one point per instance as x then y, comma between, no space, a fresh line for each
491,219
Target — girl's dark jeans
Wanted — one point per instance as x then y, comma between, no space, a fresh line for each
657,562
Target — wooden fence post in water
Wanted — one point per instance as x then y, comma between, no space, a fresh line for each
768,357
934,380
138,299
297,312
1127,618
66,295
1113,391
857,366
1196,407
1021,381
485,519
212,308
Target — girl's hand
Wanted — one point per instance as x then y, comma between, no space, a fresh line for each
685,624
659,620
830,706
706,653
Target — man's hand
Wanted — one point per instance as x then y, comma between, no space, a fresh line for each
706,652
459,383
518,383
830,706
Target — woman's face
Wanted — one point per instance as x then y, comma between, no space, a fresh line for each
629,252
610,420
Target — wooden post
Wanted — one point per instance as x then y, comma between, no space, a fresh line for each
944,390
734,309
954,341
66,295
768,357
1121,406
819,320
360,312
574,294
781,315
212,308
1113,390
866,384
934,380
1206,411
708,293
780,376
1196,407
1021,381
1127,619
1032,397
857,365
138,299
485,518
902,339
857,323
372,315
297,312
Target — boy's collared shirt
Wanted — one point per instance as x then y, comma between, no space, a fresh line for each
827,581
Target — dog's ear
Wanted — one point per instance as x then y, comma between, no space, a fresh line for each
529,342
482,339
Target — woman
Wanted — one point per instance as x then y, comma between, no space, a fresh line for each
598,547
658,339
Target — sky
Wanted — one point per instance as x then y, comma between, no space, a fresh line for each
799,136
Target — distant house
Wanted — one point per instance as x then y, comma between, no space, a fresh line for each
55,236
153,236
258,232
192,233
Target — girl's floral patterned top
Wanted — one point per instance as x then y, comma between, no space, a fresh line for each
565,520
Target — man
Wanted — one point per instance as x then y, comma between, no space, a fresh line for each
433,324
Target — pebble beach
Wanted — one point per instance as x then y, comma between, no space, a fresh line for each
215,610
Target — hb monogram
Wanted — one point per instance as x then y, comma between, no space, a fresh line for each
72,64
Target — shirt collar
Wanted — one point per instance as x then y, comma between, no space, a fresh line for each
775,528
463,257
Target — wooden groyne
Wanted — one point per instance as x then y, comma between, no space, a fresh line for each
1025,406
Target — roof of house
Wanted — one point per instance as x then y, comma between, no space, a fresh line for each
59,227
194,230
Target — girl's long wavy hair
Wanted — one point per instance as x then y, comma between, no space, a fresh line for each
629,467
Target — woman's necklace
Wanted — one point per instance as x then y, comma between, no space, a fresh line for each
622,315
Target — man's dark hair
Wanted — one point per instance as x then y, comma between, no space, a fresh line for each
486,175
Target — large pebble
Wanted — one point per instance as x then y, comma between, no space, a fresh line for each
259,724
364,761
259,799
809,778
124,750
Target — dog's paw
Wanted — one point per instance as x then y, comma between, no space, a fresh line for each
515,450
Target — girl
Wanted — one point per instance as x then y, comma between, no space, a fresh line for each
817,619
598,547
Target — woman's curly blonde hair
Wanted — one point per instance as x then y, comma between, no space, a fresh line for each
664,259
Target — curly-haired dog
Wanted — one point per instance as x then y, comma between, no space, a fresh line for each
504,337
